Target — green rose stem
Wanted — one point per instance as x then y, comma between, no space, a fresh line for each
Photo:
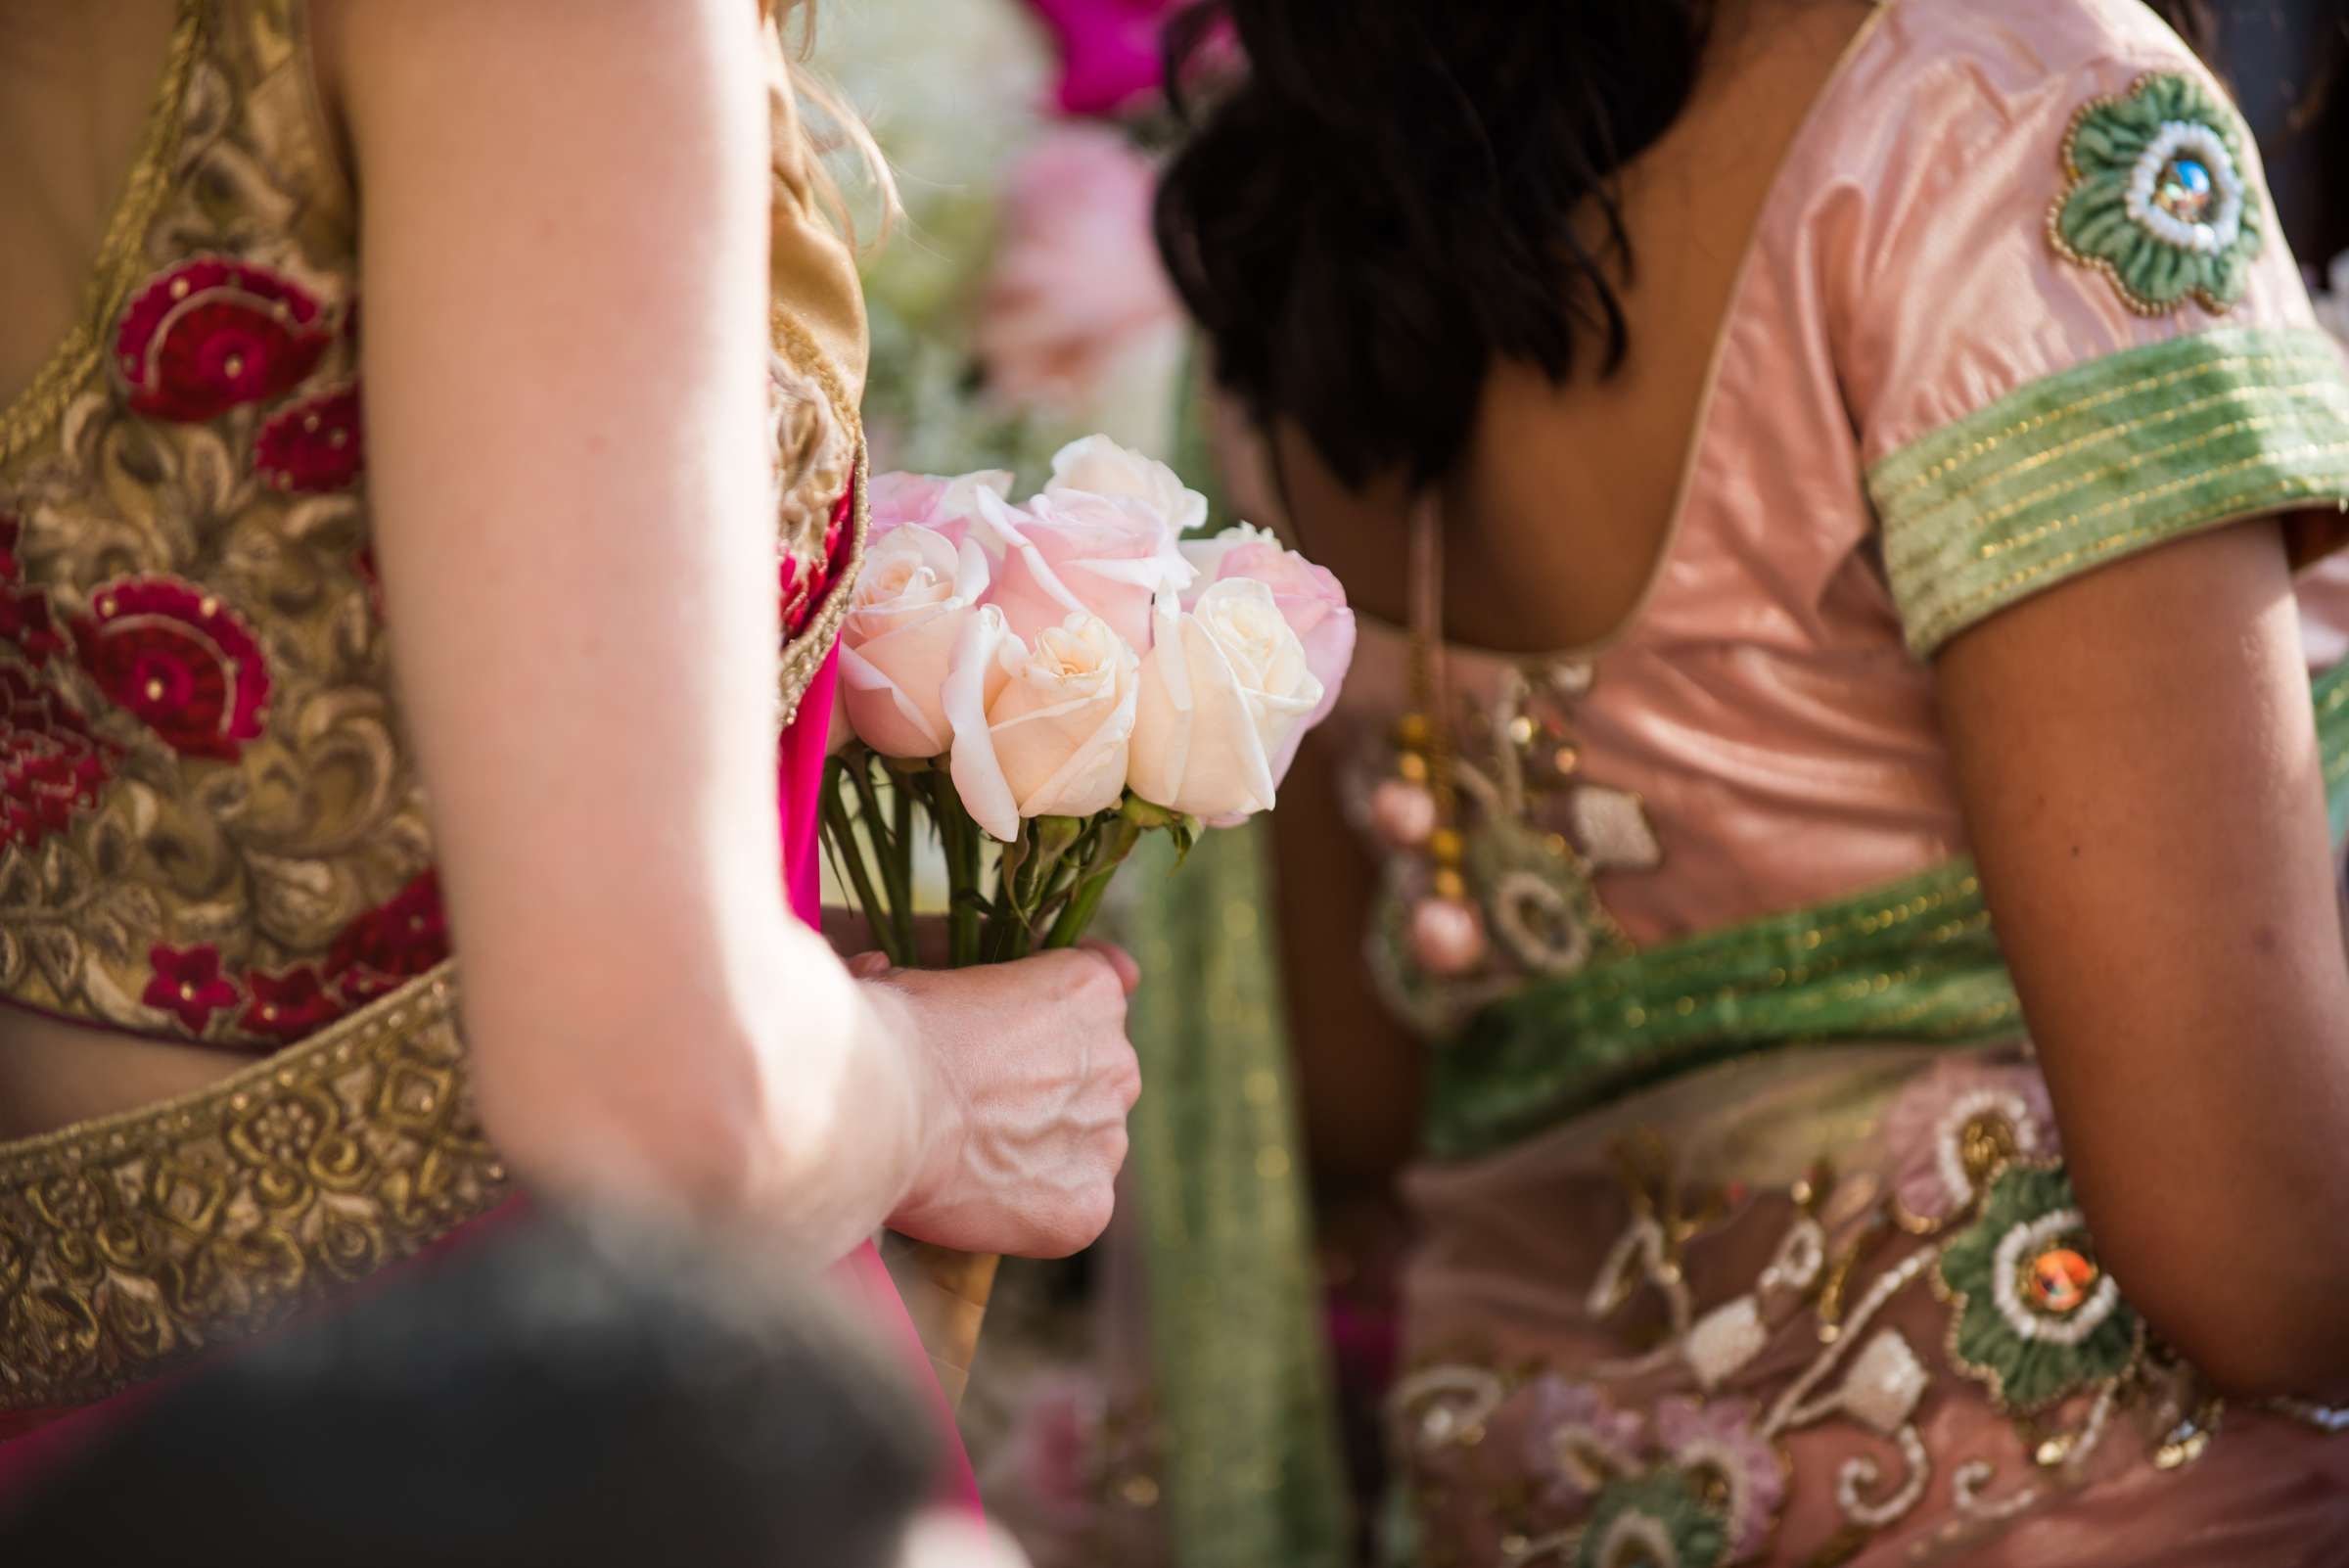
841,830
1109,851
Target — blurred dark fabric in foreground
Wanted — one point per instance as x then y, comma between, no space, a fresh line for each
549,1399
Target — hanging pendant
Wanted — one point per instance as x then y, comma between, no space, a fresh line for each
1448,936
1403,814
1447,931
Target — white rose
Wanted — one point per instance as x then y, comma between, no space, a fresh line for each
914,597
1223,688
1041,729
1099,466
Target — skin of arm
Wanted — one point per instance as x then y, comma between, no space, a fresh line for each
568,470
2138,761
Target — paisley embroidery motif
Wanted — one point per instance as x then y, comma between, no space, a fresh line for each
2155,198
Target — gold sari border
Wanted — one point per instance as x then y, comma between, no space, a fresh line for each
132,1244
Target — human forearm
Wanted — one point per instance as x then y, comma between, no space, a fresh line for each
801,1112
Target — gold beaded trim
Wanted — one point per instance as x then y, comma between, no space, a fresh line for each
132,1244
805,655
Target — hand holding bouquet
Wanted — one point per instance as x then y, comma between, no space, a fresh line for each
1040,684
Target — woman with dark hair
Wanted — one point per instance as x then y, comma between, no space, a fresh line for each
1834,475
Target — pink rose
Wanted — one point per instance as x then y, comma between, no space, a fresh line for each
1041,728
944,504
1076,288
1110,556
911,603
1310,598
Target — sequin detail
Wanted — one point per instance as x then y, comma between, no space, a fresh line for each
2155,197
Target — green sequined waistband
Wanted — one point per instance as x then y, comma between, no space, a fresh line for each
1915,961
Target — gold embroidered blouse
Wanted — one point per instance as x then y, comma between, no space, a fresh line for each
211,825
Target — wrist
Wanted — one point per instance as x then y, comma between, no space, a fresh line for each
937,1116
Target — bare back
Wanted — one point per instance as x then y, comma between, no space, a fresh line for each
1562,506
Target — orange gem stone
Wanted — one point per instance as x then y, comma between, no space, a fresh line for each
2060,1281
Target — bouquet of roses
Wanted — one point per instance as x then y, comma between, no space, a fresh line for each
1039,685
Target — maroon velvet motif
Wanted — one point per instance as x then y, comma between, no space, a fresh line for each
210,334
389,946
189,985
175,656
51,765
287,1007
315,447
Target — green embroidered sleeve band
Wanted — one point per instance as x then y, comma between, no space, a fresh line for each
2106,459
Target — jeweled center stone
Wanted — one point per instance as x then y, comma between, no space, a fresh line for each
2184,190
2059,1281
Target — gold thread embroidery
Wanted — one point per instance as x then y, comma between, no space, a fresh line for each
1936,625
131,1244
1919,544
804,655
2318,356
1989,548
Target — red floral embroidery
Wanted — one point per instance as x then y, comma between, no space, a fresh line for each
211,334
804,591
313,446
287,1007
49,764
388,946
179,660
189,985
25,622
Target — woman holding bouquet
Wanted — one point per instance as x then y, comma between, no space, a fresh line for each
1833,474
601,367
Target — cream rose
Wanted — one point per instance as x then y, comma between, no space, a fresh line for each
1310,598
1099,466
1107,555
1224,687
916,594
1041,728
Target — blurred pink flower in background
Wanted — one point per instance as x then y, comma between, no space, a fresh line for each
1076,287
1109,50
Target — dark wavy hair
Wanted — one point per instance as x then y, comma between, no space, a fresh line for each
1398,192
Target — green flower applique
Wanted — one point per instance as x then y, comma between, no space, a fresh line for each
2036,1320
2155,197
1656,1520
